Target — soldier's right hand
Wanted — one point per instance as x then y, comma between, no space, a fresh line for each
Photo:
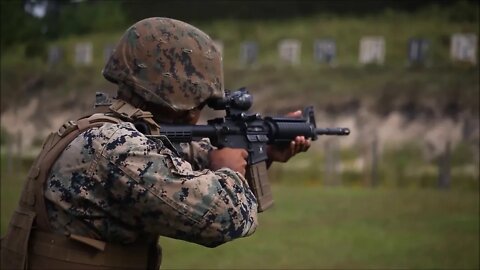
232,158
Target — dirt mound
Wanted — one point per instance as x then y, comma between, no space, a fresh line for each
31,122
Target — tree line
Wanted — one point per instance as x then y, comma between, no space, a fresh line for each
74,17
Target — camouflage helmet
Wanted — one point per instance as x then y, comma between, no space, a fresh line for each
167,62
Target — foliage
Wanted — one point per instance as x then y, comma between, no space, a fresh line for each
65,18
274,10
17,26
395,83
90,17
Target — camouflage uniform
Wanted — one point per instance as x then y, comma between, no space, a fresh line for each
113,184
120,185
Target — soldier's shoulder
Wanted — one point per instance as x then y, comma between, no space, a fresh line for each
118,129
110,130
115,136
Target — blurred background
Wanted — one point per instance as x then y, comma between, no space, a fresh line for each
402,191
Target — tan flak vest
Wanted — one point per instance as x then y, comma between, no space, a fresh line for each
30,243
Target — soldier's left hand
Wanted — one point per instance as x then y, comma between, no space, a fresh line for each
283,154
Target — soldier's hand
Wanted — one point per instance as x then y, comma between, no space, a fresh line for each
284,153
233,158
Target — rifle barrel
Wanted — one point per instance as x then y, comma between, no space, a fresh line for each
333,131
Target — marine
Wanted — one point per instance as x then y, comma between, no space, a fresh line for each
102,191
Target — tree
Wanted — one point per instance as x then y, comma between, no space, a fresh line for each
16,25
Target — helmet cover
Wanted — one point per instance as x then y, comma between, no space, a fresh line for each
167,62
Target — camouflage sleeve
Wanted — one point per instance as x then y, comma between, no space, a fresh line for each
129,185
196,153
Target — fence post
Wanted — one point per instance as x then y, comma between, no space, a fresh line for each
9,156
327,163
331,161
444,168
19,144
337,181
374,168
476,155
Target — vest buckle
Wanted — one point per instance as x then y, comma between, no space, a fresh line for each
67,128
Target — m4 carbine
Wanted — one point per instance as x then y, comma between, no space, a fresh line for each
252,132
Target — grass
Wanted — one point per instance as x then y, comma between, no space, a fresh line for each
317,227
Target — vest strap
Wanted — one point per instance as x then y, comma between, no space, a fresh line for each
132,113
29,241
60,248
33,193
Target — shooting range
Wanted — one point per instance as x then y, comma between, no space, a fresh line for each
399,192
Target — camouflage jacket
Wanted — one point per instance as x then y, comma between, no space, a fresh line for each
115,184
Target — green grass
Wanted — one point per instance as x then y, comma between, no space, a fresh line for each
316,227
312,227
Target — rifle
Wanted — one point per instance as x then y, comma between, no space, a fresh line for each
240,129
